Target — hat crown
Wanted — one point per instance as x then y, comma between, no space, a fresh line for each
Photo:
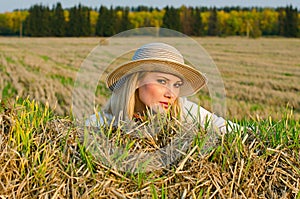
158,51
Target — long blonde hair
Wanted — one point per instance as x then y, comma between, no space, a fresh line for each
122,102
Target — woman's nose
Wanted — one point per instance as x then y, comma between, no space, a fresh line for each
169,93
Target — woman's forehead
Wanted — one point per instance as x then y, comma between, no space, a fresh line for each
163,75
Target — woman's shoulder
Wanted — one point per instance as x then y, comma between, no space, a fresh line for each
193,108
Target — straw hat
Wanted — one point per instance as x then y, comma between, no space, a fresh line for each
158,57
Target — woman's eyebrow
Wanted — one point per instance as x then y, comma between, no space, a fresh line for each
163,77
168,78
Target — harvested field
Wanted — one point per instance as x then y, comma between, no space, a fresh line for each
261,76
46,155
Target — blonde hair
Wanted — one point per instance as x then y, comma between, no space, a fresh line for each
123,100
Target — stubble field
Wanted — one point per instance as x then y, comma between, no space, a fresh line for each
261,76
45,155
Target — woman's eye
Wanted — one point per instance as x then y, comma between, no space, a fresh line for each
161,81
177,85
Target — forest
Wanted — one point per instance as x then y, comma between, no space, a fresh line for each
82,21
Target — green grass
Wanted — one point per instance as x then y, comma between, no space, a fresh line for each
9,91
63,80
2,68
10,60
29,67
45,155
45,57
102,90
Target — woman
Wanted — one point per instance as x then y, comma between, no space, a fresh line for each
156,81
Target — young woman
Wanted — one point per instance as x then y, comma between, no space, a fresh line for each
156,81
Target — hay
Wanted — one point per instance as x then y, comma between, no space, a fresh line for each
58,164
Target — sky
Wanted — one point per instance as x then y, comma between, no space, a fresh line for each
10,5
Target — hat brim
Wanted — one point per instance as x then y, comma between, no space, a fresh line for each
193,79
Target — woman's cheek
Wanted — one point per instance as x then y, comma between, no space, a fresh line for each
150,94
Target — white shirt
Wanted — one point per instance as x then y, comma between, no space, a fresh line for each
192,113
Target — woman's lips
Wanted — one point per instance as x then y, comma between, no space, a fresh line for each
164,104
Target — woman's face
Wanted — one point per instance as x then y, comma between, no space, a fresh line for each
159,90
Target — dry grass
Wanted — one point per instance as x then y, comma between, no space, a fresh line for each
261,76
44,156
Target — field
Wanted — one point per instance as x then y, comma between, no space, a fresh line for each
261,76
46,154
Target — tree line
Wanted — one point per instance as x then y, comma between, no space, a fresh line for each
42,21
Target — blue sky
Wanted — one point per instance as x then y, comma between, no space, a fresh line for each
10,5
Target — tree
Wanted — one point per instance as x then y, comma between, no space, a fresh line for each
12,23
38,22
4,26
291,22
269,21
93,21
105,26
58,21
84,21
197,23
73,24
281,22
213,23
125,23
171,18
186,20
254,24
79,21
